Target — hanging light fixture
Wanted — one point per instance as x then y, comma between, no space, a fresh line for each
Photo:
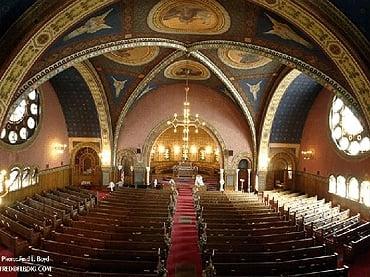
186,122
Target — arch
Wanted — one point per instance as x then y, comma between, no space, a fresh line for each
96,88
269,118
163,126
74,152
329,42
68,61
280,170
241,156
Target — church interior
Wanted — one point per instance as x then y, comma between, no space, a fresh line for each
184,138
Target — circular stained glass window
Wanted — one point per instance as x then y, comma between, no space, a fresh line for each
347,131
22,119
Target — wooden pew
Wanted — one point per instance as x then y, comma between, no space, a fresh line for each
97,265
282,255
48,209
263,247
43,226
251,232
100,253
75,204
25,232
257,239
108,244
13,242
277,267
40,215
105,235
68,209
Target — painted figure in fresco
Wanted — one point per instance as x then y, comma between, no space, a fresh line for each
184,72
254,89
285,32
187,14
118,85
247,58
91,26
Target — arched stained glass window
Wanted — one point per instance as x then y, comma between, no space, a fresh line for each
22,119
341,186
353,189
347,132
15,179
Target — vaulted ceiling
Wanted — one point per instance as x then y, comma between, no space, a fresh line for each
230,46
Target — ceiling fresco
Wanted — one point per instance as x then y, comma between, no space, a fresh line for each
187,21
189,17
134,56
77,104
293,109
187,69
236,20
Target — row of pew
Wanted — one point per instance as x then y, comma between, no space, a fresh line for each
340,230
127,234
241,236
25,223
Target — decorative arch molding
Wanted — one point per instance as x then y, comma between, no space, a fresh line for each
193,49
96,88
138,92
218,72
72,13
130,153
286,156
268,119
286,59
38,43
329,42
241,156
79,146
163,126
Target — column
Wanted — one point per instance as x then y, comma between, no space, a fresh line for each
132,175
106,175
237,179
222,181
249,179
148,175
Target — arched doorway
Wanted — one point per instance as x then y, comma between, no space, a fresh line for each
280,172
86,167
243,167
126,163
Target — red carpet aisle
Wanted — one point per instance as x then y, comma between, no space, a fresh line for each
184,256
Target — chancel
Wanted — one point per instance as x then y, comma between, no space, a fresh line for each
185,138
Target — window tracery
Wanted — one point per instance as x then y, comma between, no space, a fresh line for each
347,131
22,119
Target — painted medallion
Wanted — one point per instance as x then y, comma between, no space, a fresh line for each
134,56
181,69
241,59
201,17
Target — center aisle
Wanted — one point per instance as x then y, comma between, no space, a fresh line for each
184,256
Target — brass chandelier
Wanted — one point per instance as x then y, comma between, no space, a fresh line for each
186,122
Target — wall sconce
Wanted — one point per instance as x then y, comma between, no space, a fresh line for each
60,148
307,154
